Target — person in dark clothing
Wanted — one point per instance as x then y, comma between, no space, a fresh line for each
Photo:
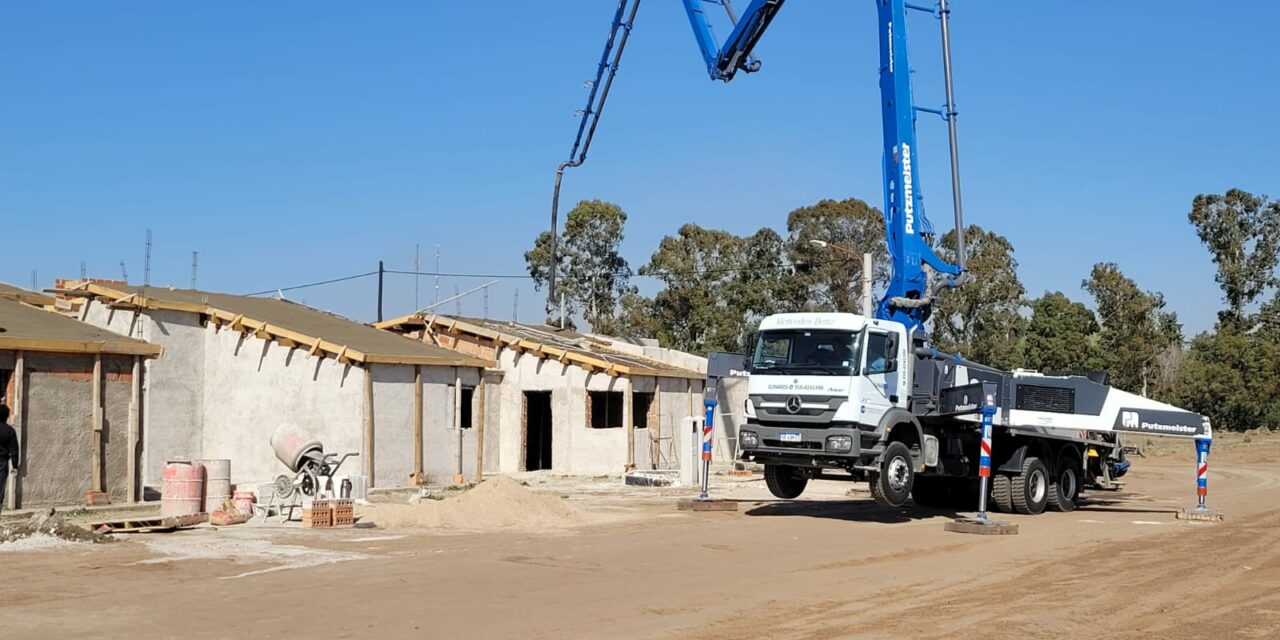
8,452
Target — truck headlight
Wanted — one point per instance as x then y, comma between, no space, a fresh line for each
840,444
748,439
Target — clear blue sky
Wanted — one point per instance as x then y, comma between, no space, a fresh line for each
290,142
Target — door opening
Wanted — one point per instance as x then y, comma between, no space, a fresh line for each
537,430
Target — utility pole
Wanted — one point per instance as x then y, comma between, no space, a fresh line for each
417,275
146,262
195,266
515,306
458,295
437,273
381,271
84,271
124,273
33,279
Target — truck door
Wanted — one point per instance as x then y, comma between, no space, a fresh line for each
879,375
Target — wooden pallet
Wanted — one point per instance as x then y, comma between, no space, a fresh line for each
149,524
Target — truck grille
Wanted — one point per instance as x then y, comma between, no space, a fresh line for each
792,445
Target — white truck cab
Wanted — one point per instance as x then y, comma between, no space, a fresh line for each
828,368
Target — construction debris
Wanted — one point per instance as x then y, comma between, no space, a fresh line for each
51,525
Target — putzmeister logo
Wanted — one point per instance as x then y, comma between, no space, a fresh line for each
1129,419
909,204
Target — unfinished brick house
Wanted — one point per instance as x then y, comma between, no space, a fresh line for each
75,393
237,367
572,403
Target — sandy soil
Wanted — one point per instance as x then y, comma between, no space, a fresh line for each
829,566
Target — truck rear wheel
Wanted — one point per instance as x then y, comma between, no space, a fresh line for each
1065,488
1002,492
784,482
892,485
1031,487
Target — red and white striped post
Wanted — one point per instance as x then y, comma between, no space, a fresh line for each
1202,471
707,424
984,456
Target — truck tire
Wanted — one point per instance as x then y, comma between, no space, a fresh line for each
892,485
931,492
1002,492
1064,490
784,482
1031,487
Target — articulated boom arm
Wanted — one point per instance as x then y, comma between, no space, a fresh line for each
725,60
908,231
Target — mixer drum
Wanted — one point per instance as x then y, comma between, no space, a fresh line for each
292,445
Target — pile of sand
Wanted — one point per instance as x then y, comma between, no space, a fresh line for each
44,528
497,503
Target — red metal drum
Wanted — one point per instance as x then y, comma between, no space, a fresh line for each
183,492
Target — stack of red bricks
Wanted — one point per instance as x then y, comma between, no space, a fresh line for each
323,514
344,513
319,515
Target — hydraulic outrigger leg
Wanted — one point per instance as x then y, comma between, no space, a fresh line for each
1201,512
980,523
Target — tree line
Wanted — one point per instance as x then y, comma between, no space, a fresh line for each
715,286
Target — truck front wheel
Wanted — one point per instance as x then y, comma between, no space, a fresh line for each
785,482
892,486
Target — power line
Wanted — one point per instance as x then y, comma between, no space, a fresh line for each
314,284
522,276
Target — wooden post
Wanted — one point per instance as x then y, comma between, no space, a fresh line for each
628,421
368,425
457,423
135,428
655,453
19,424
417,424
97,482
481,399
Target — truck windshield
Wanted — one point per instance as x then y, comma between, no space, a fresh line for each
807,352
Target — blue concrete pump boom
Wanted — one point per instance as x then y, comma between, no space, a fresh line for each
918,271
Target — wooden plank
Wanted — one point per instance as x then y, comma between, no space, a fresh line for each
457,416
368,426
481,399
151,524
655,450
97,480
430,361
48,345
135,429
628,420
417,422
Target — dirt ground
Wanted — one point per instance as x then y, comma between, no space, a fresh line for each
831,565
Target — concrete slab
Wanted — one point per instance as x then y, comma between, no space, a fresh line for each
694,504
981,527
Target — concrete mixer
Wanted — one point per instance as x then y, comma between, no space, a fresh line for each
312,469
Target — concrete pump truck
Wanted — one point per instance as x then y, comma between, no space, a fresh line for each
867,398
